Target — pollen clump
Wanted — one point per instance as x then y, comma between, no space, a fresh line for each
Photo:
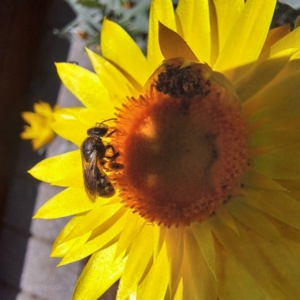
183,145
182,82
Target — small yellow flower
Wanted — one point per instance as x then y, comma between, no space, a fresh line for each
207,205
39,129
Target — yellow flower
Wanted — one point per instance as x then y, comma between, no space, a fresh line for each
207,129
39,131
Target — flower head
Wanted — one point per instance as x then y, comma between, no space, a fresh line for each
200,143
39,131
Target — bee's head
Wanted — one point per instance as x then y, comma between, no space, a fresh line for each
98,131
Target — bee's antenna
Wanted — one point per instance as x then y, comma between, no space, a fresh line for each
109,120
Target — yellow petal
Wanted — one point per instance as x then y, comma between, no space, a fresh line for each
179,291
293,65
92,219
282,163
115,82
283,265
198,280
159,239
274,36
33,118
175,248
69,202
28,133
223,15
179,47
290,235
43,109
254,179
254,219
72,123
70,130
275,100
188,288
88,117
241,48
37,143
245,251
193,23
101,271
67,113
290,185
78,243
60,248
275,138
160,11
226,217
205,241
97,239
119,48
86,86
156,282
290,40
134,224
261,74
235,282
62,170
92,117
135,268
276,204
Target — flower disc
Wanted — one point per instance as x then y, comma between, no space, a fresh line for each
184,145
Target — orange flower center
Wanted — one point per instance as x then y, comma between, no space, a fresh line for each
183,145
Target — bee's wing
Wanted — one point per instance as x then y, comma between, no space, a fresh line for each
90,175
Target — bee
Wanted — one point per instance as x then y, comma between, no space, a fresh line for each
95,159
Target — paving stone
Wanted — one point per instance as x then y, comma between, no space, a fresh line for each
46,230
26,296
111,293
78,54
59,146
42,278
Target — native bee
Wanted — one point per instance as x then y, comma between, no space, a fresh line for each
96,157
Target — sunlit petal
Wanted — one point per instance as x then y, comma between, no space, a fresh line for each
130,59
160,11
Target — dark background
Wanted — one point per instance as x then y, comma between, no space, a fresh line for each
28,50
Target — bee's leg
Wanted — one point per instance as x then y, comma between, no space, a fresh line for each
103,162
114,155
110,133
112,166
109,162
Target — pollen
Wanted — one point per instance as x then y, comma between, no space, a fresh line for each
183,144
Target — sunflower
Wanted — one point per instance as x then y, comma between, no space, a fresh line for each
39,131
199,146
